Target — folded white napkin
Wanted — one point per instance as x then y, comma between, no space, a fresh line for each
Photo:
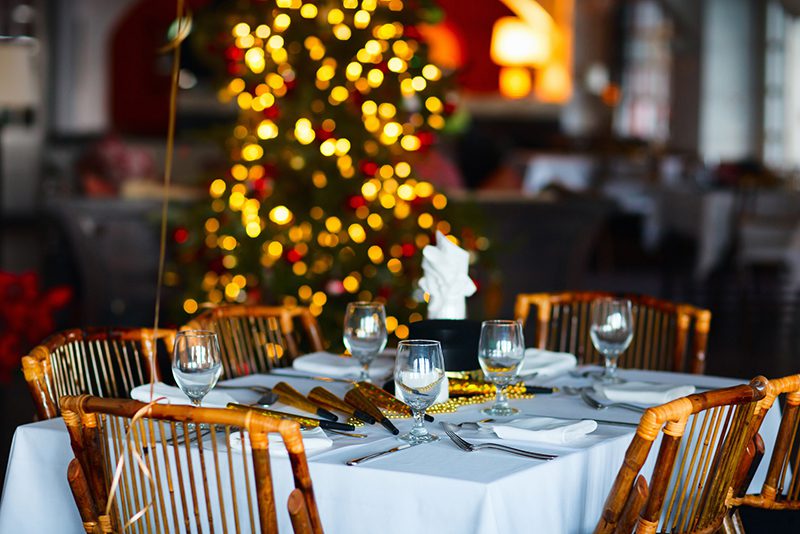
314,439
446,279
547,363
644,393
327,364
543,430
214,399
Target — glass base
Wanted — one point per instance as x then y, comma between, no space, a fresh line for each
416,439
601,377
500,411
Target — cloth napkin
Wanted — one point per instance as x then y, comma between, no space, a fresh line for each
547,363
543,430
446,279
214,399
314,439
644,393
327,364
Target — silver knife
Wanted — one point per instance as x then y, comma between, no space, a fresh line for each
356,461
307,377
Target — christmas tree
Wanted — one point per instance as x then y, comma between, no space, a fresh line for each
321,205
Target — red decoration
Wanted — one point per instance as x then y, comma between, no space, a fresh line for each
356,201
368,168
409,250
272,112
293,256
180,235
26,316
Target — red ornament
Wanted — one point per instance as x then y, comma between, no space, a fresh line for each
323,134
272,112
411,32
426,139
368,168
356,201
293,256
180,235
449,108
408,250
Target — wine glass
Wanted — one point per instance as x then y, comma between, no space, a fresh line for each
611,333
365,333
196,364
418,373
501,350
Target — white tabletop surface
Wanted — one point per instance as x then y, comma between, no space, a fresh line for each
429,488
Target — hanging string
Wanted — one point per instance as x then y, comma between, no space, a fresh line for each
182,31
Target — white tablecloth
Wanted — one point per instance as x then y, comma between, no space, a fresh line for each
430,488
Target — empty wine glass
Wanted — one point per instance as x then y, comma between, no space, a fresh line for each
611,333
418,373
196,363
501,350
365,333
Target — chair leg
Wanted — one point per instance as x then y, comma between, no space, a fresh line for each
301,522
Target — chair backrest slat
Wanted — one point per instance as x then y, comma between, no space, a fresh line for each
257,338
106,362
177,476
698,468
667,335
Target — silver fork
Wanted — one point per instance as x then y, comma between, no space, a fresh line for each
597,405
469,447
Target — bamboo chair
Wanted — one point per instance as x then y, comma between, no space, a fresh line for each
781,488
661,329
107,362
189,488
254,339
699,463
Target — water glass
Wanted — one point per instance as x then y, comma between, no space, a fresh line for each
419,373
365,333
196,363
611,333
501,350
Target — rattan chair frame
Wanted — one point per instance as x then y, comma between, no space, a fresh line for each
98,428
692,487
254,339
661,329
781,488
107,362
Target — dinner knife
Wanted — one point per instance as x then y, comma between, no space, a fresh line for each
356,461
309,377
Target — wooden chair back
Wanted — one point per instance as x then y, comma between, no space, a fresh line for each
254,339
106,362
174,484
781,488
697,470
667,336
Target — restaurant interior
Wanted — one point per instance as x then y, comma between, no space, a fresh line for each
566,231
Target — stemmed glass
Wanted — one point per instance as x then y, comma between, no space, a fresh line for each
365,333
196,363
501,350
418,373
611,333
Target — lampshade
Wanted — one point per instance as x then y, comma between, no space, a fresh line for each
18,88
518,43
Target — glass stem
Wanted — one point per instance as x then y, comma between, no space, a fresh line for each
419,423
364,376
501,401
610,370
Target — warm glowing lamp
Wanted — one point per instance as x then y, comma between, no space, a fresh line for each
518,43
515,82
553,83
